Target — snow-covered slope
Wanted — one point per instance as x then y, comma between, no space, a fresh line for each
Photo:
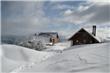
59,46
14,56
77,59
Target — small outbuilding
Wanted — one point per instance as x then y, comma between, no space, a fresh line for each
84,37
53,36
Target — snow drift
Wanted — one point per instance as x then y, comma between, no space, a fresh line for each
14,56
77,59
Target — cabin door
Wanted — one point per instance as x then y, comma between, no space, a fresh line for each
76,42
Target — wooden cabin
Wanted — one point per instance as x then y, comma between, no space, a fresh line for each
53,36
84,37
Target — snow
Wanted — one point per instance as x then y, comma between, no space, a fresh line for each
88,58
102,34
59,46
15,56
77,59
83,58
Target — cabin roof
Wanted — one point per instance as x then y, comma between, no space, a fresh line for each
48,34
82,29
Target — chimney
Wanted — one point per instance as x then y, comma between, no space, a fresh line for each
94,30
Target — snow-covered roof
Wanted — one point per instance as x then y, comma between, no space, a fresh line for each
47,34
97,38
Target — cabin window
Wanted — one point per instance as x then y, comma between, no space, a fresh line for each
90,41
77,41
84,41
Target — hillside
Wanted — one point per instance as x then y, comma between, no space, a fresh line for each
85,58
14,56
77,59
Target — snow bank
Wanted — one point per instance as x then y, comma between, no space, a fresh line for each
14,56
83,58
59,46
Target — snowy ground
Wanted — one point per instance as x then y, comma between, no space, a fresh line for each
59,47
13,57
75,59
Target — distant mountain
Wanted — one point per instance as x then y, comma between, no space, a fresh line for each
10,39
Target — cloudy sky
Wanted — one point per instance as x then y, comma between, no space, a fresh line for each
28,17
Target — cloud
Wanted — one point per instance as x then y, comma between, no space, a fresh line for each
94,14
68,12
86,15
97,1
62,6
21,18
101,14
